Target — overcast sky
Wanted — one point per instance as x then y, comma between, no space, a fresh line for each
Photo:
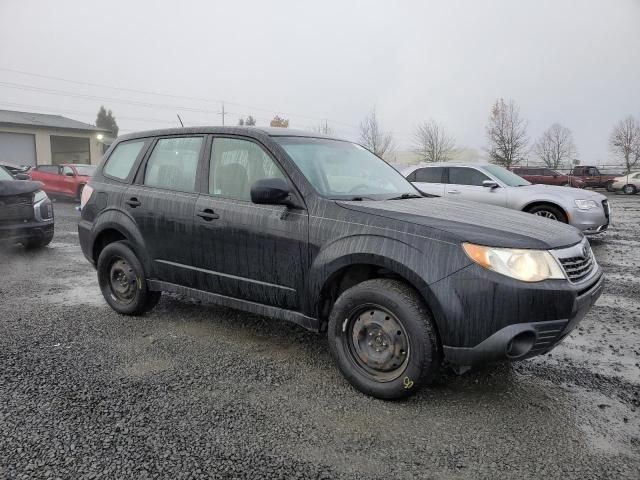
573,62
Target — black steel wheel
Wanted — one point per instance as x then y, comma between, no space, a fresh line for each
383,339
122,280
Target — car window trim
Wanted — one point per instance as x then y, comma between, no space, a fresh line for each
207,164
142,168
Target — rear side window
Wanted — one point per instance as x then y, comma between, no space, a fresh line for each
49,169
174,163
429,175
466,176
122,159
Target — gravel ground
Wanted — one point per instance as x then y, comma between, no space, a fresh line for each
192,390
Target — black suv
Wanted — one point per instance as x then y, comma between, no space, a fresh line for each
321,232
26,213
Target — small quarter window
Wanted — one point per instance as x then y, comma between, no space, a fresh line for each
174,163
122,159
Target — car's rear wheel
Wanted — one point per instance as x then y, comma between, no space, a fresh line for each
629,189
609,187
549,211
383,340
565,184
122,280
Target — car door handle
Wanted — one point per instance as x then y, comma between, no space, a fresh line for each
133,202
453,191
207,215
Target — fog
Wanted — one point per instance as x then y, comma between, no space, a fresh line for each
573,62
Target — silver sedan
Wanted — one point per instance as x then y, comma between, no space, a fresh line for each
487,183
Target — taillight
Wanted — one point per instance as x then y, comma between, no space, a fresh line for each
86,195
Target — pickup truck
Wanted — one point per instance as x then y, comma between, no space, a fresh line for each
594,178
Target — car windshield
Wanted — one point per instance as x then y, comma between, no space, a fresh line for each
87,170
505,176
343,170
4,175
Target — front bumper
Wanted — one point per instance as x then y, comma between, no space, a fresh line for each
481,314
17,232
535,338
593,221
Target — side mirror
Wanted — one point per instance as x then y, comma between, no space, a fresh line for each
490,184
22,176
270,191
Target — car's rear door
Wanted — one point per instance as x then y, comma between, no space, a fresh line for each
161,201
466,183
244,250
49,176
429,180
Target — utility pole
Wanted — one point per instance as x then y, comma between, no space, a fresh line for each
223,113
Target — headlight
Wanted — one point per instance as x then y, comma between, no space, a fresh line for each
39,196
524,265
586,204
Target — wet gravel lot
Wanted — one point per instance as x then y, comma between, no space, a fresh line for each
192,390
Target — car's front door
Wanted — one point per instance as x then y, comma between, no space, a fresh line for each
161,202
467,183
429,180
243,250
68,181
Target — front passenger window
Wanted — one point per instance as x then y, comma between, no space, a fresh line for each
174,163
466,176
235,165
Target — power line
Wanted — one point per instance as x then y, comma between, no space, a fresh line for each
168,95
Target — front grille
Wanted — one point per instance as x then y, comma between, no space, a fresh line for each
578,268
16,207
548,333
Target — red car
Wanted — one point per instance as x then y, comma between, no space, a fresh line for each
547,176
65,180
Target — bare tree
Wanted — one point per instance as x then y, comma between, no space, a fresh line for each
507,134
323,128
374,138
556,147
433,143
279,122
625,141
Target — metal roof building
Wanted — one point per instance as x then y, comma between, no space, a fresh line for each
40,139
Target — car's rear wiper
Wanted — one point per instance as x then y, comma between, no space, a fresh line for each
404,196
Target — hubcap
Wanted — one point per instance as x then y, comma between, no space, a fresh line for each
628,189
546,214
122,281
378,343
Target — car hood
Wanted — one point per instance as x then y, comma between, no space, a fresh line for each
18,187
564,192
475,222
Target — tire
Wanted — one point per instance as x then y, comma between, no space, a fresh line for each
400,325
34,243
610,188
123,282
629,189
549,211
565,184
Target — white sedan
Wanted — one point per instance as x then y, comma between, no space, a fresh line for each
629,184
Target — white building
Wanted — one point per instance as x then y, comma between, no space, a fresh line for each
40,139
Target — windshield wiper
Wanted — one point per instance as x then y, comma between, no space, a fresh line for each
404,196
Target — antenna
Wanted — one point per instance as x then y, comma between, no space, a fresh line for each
181,124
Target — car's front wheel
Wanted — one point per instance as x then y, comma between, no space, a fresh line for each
39,241
549,211
383,339
629,189
122,280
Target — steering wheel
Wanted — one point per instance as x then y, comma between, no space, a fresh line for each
361,186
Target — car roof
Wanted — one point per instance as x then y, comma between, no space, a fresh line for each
235,130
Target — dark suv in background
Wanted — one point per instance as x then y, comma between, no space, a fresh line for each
26,213
321,232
